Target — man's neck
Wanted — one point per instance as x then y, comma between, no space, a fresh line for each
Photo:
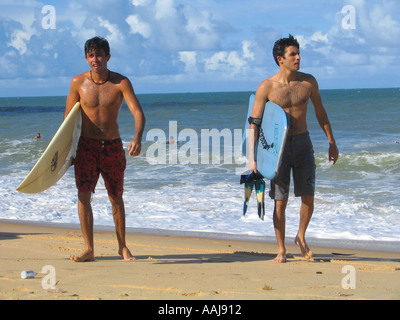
286,76
100,76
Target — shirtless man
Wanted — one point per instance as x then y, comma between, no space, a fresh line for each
101,93
292,90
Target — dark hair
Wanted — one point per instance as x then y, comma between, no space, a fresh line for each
281,45
97,43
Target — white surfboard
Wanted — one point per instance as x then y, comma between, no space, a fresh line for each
57,157
271,140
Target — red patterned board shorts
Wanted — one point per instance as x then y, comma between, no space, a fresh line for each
95,157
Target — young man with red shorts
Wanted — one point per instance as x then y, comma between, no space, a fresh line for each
101,92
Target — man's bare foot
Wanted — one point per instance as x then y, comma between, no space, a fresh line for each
126,254
86,256
305,250
280,258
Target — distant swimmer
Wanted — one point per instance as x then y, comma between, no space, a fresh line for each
38,136
396,142
171,140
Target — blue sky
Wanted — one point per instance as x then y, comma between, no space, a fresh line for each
198,46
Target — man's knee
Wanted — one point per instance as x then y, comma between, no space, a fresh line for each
116,199
308,200
85,197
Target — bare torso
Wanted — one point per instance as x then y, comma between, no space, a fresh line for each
100,105
293,98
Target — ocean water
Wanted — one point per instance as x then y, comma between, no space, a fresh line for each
194,186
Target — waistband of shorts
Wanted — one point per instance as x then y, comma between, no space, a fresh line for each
297,137
103,142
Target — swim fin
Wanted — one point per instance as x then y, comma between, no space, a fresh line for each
251,179
248,188
247,179
260,192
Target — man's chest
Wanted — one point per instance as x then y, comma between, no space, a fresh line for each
93,96
291,95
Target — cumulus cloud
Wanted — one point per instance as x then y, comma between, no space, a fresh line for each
181,41
114,35
367,47
138,26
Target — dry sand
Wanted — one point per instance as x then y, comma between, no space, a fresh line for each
185,268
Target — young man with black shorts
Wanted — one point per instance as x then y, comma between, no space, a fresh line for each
292,90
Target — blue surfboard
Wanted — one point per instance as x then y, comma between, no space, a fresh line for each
271,140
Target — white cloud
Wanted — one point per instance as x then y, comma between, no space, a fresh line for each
24,17
315,39
247,54
165,9
138,26
19,40
140,2
189,58
232,63
201,29
205,41
115,35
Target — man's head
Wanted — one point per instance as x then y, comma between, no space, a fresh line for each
280,46
95,44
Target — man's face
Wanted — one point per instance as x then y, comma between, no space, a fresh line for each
97,60
291,59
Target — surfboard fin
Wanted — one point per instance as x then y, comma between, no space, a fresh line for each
251,179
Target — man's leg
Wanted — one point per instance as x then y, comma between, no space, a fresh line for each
86,219
118,209
279,225
306,211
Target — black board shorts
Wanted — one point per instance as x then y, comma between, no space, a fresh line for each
297,156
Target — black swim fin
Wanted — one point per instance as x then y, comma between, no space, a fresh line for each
260,192
251,179
248,188
247,179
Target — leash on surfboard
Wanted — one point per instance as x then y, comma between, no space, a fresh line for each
251,180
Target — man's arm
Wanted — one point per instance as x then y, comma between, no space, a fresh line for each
323,121
134,106
73,96
257,112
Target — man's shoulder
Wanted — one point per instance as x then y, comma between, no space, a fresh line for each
305,77
269,82
80,77
116,75
118,78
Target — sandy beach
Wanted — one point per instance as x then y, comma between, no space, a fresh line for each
185,268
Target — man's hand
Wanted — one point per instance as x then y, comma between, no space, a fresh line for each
333,153
253,166
134,148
